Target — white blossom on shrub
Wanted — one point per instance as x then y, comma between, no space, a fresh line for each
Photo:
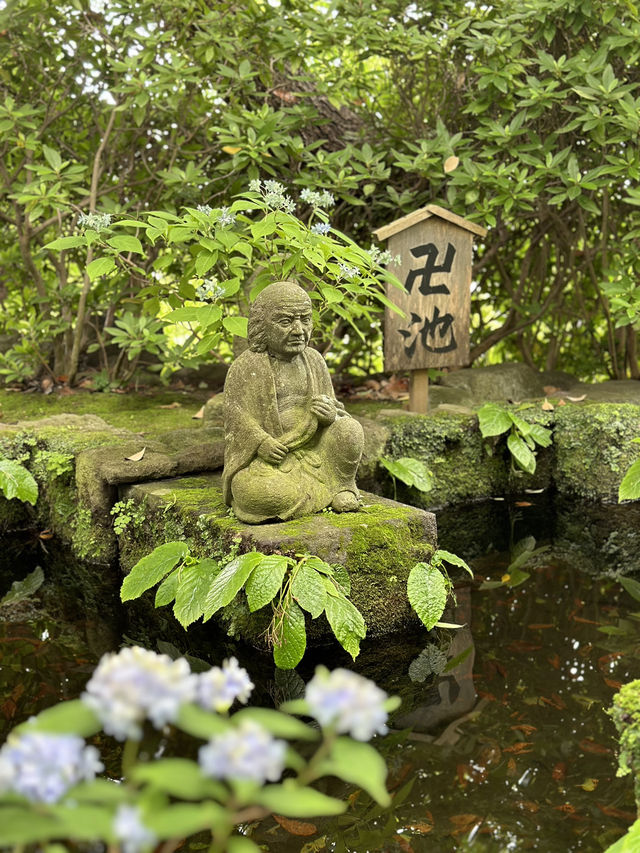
131,831
247,752
218,688
348,702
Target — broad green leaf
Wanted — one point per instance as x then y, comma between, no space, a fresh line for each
229,582
541,435
291,801
346,623
291,642
630,486
52,157
413,472
100,266
151,569
72,717
236,326
521,453
17,482
453,559
204,315
178,777
319,565
277,723
341,576
264,227
183,819
126,243
493,420
360,765
197,722
21,590
66,243
205,261
25,826
101,791
629,843
193,584
308,590
166,592
85,822
266,581
242,844
427,592
632,587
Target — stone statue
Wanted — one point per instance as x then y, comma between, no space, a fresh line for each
290,447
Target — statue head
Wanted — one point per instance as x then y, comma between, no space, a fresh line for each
280,320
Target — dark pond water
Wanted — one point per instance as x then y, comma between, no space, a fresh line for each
508,748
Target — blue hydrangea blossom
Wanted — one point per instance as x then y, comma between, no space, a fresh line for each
347,702
131,831
248,752
218,688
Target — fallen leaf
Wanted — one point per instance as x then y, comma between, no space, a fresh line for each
561,403
45,534
584,621
512,767
523,503
46,385
589,745
606,660
589,784
403,844
450,164
296,827
524,728
559,771
519,748
136,456
231,149
566,807
520,646
421,828
550,389
547,406
555,701
554,660
314,846
610,682
540,626
577,399
505,578
174,405
464,822
528,806
612,811
198,415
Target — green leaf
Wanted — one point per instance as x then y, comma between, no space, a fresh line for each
629,843
346,623
493,420
229,582
205,261
197,722
341,577
632,587
52,157
453,559
291,801
359,764
277,723
264,227
151,569
178,777
101,791
21,590
85,822
236,326
126,243
204,315
308,590
183,819
100,266
413,472
17,482
524,457
541,435
166,592
193,584
427,591
266,581
291,642
26,826
66,243
630,486
242,844
72,717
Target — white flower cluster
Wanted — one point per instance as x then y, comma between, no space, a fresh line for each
134,684
205,208
218,688
348,272
383,257
209,290
247,752
347,702
42,767
274,194
95,221
317,199
321,228
226,217
131,831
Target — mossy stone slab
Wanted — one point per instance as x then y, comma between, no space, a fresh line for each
379,545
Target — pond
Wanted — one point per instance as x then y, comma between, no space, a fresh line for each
502,742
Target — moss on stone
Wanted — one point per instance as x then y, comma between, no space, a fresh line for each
626,716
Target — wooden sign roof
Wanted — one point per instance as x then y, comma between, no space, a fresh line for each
424,213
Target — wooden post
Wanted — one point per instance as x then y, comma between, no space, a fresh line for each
419,391
432,257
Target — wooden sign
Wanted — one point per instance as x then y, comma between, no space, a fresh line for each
434,258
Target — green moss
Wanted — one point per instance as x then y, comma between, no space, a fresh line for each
626,716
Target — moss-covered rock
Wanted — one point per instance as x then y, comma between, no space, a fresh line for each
626,716
378,545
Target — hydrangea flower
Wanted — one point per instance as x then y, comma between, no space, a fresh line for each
131,831
321,228
226,217
209,290
42,767
247,752
95,221
218,688
134,684
348,702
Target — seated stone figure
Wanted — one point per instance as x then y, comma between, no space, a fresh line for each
290,447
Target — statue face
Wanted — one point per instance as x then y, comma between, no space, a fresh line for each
288,329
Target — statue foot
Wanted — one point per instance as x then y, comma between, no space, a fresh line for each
345,502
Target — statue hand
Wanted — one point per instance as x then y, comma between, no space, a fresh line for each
271,450
324,409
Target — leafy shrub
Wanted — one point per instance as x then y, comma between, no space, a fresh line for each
522,437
